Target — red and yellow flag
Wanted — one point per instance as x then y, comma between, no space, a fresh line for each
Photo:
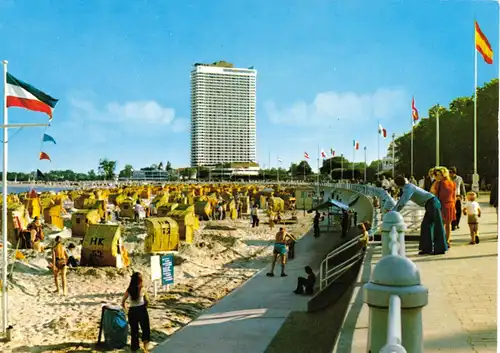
482,45
45,156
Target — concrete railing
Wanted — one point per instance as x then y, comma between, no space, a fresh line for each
395,295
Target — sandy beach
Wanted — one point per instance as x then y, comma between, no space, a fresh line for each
222,257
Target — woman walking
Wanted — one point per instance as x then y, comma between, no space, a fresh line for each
445,190
138,312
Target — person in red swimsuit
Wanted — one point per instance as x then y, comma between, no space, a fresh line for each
445,190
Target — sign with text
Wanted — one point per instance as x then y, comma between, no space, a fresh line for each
155,268
167,269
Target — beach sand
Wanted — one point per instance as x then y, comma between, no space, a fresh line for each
223,256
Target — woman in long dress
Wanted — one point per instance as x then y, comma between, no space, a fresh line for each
445,190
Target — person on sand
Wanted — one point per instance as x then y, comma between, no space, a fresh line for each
473,213
59,263
306,285
138,209
72,259
255,216
36,230
432,237
280,250
138,312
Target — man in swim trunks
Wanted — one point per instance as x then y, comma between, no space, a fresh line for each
280,250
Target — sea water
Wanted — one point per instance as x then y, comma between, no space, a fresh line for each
16,189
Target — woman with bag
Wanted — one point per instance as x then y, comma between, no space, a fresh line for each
138,312
445,190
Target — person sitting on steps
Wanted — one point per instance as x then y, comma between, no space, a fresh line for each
306,285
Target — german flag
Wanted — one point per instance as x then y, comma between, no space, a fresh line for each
482,45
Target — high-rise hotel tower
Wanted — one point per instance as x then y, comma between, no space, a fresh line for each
223,124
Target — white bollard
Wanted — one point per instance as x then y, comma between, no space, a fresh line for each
392,219
395,275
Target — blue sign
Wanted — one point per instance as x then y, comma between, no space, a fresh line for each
167,269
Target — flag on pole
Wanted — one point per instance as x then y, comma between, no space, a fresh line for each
48,138
414,111
483,45
332,152
323,154
45,156
382,131
306,155
355,144
39,174
23,95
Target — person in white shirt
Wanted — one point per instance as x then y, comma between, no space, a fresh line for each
432,235
137,210
473,212
138,312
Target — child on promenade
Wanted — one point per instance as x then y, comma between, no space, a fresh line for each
473,212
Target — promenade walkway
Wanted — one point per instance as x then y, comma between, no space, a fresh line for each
248,318
462,312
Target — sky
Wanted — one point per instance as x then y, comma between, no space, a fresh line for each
329,71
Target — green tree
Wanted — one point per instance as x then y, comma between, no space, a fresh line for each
168,167
187,173
160,166
91,174
456,137
126,172
107,168
303,169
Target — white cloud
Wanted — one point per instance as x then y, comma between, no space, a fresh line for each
180,125
133,114
149,112
382,104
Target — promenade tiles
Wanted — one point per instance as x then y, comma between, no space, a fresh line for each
248,318
461,315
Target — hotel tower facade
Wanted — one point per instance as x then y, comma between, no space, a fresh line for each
223,120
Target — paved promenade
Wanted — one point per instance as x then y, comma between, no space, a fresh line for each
462,312
248,319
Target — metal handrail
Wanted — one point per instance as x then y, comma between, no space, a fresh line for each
340,269
342,264
326,273
324,264
343,247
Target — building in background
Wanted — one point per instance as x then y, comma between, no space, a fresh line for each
223,120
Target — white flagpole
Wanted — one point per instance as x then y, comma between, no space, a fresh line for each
378,148
353,159
393,156
5,298
317,188
341,167
412,126
475,177
437,137
365,164
497,58
278,170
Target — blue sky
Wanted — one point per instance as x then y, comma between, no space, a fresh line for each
328,71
